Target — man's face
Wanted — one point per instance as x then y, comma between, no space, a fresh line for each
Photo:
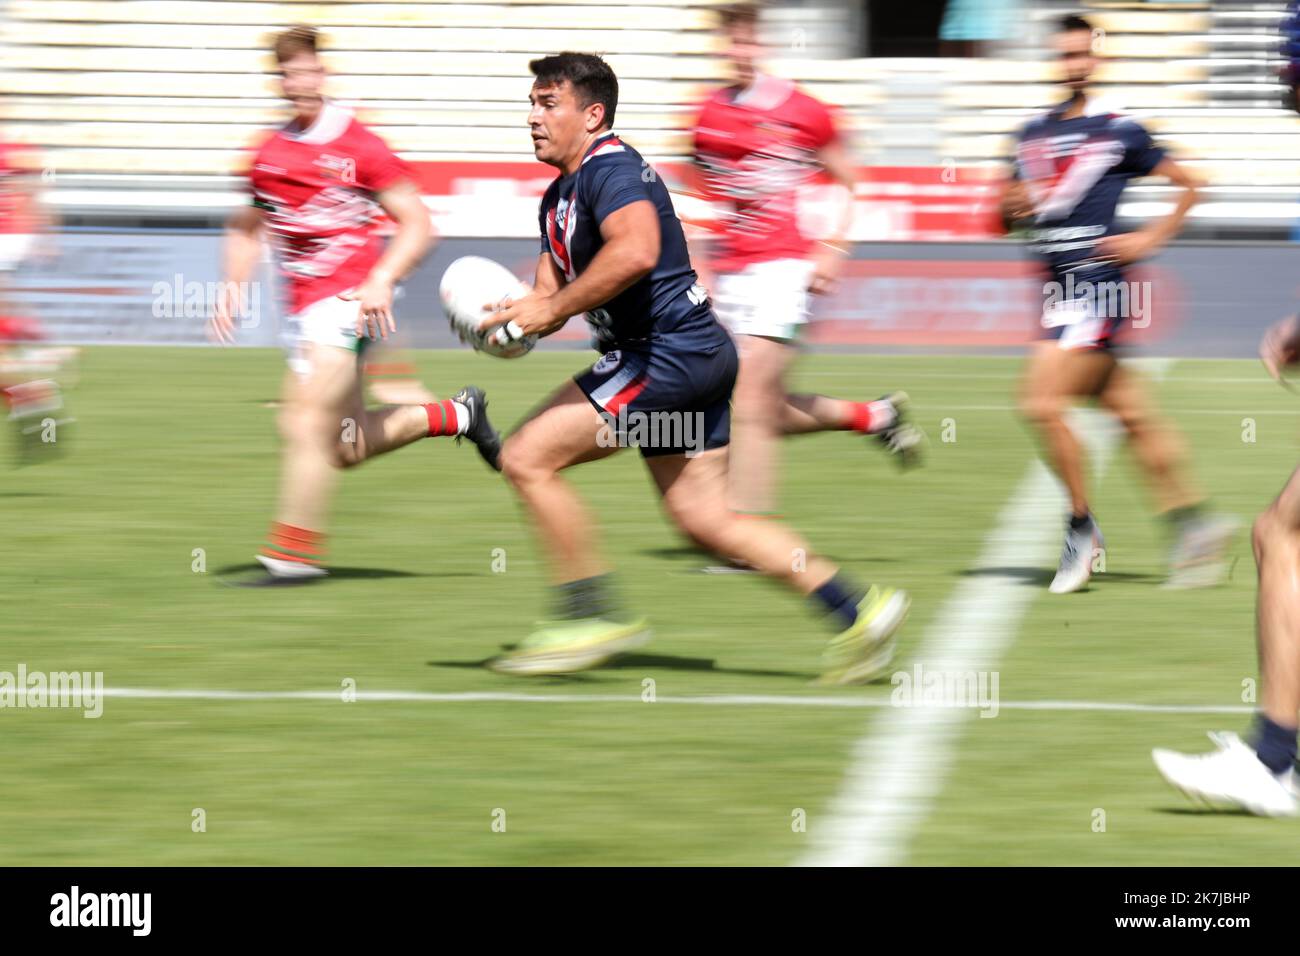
743,51
558,122
1074,49
302,78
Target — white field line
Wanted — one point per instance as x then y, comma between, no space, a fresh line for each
898,769
1244,413
702,700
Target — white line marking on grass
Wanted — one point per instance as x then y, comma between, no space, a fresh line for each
898,769
1244,413
704,700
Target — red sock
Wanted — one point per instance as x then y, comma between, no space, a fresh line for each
869,417
287,543
442,418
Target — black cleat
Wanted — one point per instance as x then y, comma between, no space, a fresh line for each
903,439
480,431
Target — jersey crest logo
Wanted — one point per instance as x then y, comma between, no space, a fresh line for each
608,362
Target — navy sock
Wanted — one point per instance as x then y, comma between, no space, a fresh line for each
1079,522
587,597
840,598
1275,745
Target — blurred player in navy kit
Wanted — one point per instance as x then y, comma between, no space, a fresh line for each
1071,165
612,248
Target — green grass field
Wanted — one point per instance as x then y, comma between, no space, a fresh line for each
175,450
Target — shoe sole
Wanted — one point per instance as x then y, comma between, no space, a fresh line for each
880,649
289,571
1209,573
1216,803
561,661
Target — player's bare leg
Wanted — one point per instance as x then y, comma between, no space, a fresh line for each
562,433
1199,554
565,431
757,416
1260,776
1276,538
695,496
325,427
763,412
1157,446
1054,380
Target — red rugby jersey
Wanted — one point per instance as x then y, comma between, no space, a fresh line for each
317,188
755,149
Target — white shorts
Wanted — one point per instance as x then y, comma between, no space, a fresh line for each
331,321
14,247
765,298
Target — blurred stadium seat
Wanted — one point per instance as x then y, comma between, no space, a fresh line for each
165,93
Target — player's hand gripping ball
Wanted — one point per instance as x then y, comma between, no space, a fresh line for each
469,283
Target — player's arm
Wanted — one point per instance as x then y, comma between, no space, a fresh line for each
1014,203
549,279
1280,347
629,253
240,251
1144,242
837,163
414,235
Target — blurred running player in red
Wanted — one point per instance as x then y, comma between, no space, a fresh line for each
759,143
319,185
1260,776
29,370
1072,164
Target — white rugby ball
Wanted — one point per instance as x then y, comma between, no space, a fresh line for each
468,283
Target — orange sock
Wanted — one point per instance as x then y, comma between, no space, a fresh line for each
287,543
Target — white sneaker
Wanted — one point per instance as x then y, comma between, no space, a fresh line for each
1199,558
1076,558
1230,778
279,568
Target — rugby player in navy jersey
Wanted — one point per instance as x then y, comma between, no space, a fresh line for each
1071,165
612,248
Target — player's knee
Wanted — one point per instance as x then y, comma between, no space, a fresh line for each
706,528
348,454
756,405
522,466
1039,407
1277,525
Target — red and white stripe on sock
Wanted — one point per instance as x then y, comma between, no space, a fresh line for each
870,417
447,418
284,542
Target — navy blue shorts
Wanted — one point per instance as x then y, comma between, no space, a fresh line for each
664,401
1087,313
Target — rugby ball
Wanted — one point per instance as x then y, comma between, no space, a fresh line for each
468,283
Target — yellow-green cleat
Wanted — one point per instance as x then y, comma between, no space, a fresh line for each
562,647
865,650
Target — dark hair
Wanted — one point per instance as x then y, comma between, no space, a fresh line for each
592,79
1069,24
739,15
294,42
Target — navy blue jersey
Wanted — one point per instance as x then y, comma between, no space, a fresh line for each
1075,170
667,306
